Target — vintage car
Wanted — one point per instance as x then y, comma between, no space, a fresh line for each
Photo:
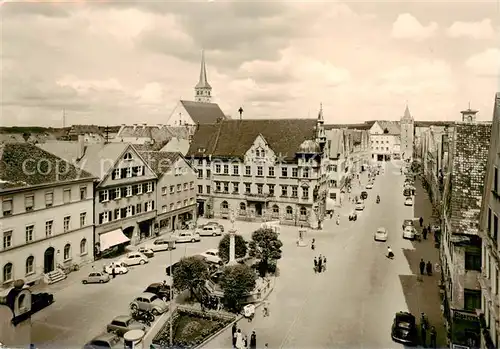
105,340
212,256
360,205
149,302
124,323
185,236
364,195
209,230
40,301
161,290
96,277
119,267
134,258
409,201
380,234
404,328
148,252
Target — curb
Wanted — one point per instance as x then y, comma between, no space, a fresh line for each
237,319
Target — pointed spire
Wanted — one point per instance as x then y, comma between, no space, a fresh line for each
320,114
203,82
407,114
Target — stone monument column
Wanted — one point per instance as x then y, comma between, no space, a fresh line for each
232,243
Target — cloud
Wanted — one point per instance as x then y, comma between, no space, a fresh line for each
471,30
408,27
486,63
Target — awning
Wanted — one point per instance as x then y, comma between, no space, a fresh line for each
112,238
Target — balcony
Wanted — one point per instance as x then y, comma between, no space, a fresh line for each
258,197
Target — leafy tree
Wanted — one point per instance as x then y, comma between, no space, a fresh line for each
190,274
237,281
240,247
265,246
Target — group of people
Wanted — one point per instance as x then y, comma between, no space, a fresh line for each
425,267
424,327
241,341
319,264
211,303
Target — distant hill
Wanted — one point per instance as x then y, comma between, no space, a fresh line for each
51,130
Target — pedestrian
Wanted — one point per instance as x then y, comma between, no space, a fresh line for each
428,268
324,263
265,309
239,339
253,341
315,265
234,329
423,334
433,337
320,264
429,229
266,345
424,233
421,221
422,266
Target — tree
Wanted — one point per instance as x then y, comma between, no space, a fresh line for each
26,136
265,246
190,274
237,281
240,246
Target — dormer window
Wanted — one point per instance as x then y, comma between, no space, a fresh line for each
127,156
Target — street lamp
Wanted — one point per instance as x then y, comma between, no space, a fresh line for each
171,246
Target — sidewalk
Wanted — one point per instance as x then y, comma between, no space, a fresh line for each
422,292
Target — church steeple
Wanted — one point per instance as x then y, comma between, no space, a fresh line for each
320,128
407,114
203,90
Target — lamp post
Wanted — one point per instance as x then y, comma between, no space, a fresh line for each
171,246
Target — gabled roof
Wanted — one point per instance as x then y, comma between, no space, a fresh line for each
470,156
158,133
392,127
203,113
17,158
160,161
234,137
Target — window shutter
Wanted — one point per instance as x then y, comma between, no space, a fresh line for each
124,212
101,216
134,190
138,208
112,194
152,205
145,207
133,210
117,213
113,175
123,192
153,186
123,173
145,188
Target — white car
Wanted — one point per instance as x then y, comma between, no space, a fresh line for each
409,232
186,236
381,234
120,268
161,245
409,201
369,186
360,206
209,230
134,258
212,256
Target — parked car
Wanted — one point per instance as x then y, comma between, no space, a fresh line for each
185,236
212,256
148,252
404,329
209,230
407,192
105,341
407,222
161,244
134,258
40,301
369,186
120,268
364,195
381,234
409,201
360,206
96,277
409,232
122,324
149,302
161,290
221,227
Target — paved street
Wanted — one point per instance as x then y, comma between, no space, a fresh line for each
353,303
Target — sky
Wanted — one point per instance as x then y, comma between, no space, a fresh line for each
114,62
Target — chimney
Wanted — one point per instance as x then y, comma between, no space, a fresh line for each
81,146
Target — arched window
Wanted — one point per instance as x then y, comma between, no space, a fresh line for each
243,207
83,246
289,212
303,212
224,206
8,272
67,252
30,265
276,211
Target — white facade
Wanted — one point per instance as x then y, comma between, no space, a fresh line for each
46,226
383,144
180,117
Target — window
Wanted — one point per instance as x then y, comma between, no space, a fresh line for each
7,272
248,171
305,172
248,188
495,228
226,187
185,186
284,190
496,281
83,219
200,162
7,207
224,206
218,187
260,171
138,208
164,191
472,261
185,202
295,172
67,252
191,201
48,228
29,202
200,189
226,169
103,195
289,212
7,239
191,185
129,191
236,170
172,207
127,156
83,246
200,174
217,168
295,191
172,189
271,171
208,173
276,211
83,193
236,188
139,189
66,223
472,300
67,196
303,212
30,265
103,217
150,187
271,189
30,232
243,207
489,221
260,188
179,188
305,193
284,172
495,180
129,212
208,189
116,174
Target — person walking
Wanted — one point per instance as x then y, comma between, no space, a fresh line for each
253,340
423,334
265,309
324,263
421,221
239,340
428,268
320,264
113,272
422,266
433,337
315,265
424,233
234,329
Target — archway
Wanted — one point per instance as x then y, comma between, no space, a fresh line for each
258,209
129,232
49,260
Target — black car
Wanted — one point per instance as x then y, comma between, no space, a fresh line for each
159,289
40,301
364,195
404,329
